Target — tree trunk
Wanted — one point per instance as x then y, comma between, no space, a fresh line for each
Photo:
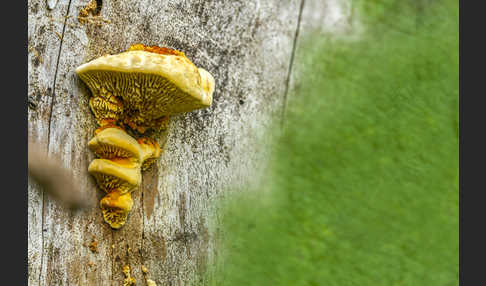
246,45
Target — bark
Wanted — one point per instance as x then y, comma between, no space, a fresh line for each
172,230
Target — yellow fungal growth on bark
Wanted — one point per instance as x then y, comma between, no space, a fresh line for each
114,142
136,90
119,168
118,173
144,84
207,81
129,280
150,152
115,207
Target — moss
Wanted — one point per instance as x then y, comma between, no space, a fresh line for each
364,187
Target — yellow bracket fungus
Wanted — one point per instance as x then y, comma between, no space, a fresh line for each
115,207
116,173
143,85
150,151
137,91
114,142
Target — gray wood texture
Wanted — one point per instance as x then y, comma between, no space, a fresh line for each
248,47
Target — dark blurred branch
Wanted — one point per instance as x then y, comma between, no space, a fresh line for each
55,180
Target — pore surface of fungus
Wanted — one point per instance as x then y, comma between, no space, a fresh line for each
114,142
136,91
115,207
150,151
141,86
121,174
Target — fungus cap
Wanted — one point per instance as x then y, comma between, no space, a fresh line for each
150,151
114,142
144,85
116,174
115,207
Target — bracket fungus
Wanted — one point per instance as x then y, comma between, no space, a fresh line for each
115,207
136,92
150,151
142,86
114,142
121,174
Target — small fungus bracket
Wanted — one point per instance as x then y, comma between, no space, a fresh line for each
134,93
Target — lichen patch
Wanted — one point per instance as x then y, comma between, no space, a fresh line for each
93,246
129,280
90,14
150,282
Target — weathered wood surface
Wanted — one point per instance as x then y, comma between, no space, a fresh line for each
248,46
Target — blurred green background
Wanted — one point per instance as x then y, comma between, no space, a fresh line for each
363,188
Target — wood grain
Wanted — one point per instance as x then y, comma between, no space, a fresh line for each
245,45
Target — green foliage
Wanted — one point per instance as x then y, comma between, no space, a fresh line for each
364,188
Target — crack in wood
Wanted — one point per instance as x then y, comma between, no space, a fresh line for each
289,73
53,99
44,201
